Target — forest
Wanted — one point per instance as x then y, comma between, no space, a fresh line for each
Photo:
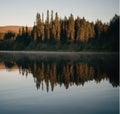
68,34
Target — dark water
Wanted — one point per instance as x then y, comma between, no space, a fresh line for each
53,83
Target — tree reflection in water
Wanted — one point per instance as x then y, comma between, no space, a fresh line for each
64,69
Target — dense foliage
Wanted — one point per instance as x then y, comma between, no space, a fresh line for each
70,34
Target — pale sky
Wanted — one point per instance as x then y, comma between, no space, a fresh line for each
23,12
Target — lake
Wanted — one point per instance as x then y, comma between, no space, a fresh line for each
59,83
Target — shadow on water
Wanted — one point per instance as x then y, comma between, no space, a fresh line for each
64,69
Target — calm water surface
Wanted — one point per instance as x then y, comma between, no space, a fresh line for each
53,83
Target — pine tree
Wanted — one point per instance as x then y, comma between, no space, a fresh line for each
71,29
64,24
57,27
98,28
42,28
51,27
47,28
77,29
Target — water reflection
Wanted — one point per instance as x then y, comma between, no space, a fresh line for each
64,70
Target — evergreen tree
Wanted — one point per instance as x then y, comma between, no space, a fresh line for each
52,27
77,29
71,29
57,27
47,28
98,28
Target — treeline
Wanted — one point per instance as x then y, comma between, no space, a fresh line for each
54,33
63,30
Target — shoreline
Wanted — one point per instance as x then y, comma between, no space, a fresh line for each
59,52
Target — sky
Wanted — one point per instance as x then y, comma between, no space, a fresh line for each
23,12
